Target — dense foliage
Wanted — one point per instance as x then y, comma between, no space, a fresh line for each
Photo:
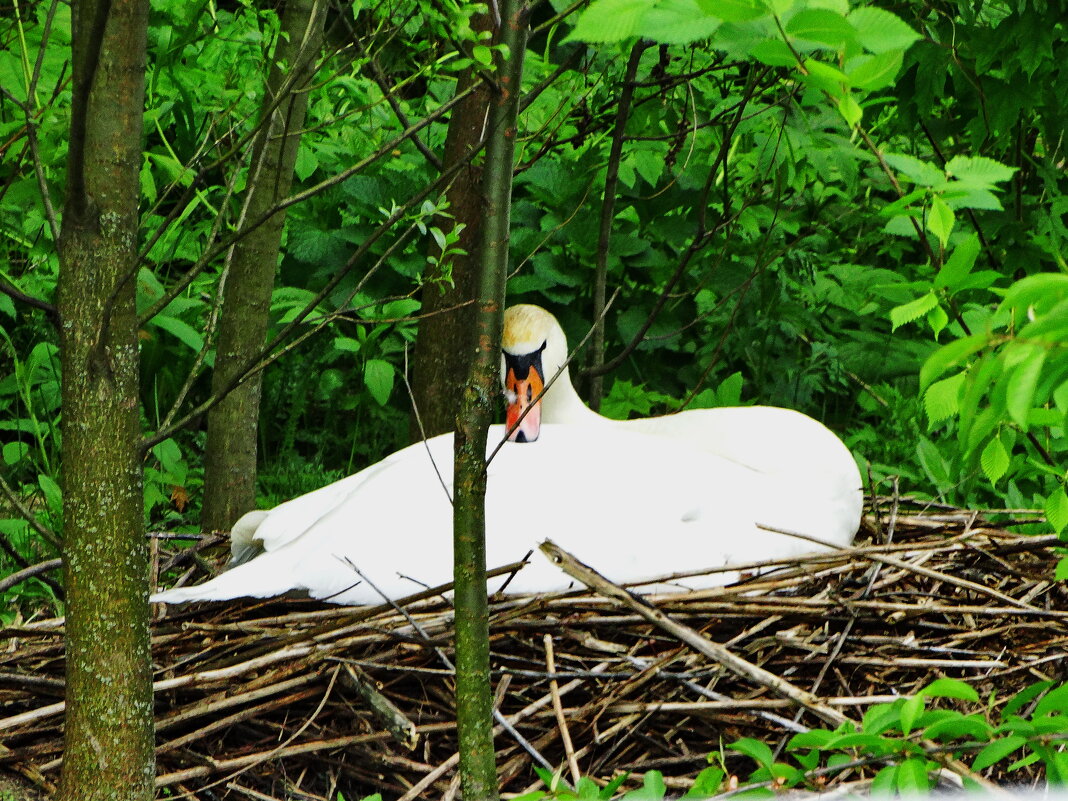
850,212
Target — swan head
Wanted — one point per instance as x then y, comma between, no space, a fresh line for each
533,349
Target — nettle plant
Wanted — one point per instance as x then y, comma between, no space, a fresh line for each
912,741
1007,391
1000,383
906,743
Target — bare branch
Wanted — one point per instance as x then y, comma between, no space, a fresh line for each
608,207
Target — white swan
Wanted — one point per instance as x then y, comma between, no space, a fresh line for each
805,458
637,500
631,505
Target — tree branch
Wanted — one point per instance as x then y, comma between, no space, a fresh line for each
608,206
77,201
29,300
699,239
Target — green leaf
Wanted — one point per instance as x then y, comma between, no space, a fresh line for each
1060,572
858,740
912,777
733,10
994,460
1020,388
959,264
15,452
911,710
180,330
307,162
850,110
874,72
609,21
936,467
885,782
942,398
950,355
963,196
677,22
52,493
978,170
917,171
823,76
649,164
937,318
1056,508
652,789
957,727
880,31
1024,697
346,344
997,751
482,54
814,738
729,391
1036,293
950,688
1056,700
821,25
754,749
773,52
378,376
901,205
706,785
913,310
940,219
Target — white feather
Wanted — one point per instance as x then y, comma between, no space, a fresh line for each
632,506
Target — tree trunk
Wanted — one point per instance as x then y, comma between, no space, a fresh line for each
474,697
439,363
108,751
230,455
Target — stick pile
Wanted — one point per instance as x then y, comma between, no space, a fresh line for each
295,699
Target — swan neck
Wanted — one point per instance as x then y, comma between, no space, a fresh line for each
561,404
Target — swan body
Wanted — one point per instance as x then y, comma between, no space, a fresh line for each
639,500
800,455
633,506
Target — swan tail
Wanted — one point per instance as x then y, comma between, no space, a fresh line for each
262,578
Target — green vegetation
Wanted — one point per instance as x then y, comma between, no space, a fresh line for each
904,743
836,227
836,207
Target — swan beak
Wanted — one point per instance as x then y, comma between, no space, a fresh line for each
520,393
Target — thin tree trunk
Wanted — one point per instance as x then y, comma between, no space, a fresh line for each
230,455
608,215
474,697
439,361
108,749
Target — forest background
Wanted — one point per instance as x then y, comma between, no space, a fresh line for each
761,250
855,212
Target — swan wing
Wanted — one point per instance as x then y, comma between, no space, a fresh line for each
631,505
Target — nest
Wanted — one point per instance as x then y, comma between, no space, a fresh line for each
295,699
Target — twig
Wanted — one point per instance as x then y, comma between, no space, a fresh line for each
558,709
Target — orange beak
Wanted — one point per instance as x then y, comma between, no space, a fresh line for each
521,393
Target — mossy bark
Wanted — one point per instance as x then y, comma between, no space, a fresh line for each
474,697
233,425
108,748
439,360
